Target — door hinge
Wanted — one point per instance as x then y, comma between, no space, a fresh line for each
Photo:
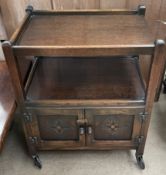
27,117
33,140
143,116
139,139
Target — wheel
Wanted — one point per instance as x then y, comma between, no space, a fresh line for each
140,161
37,161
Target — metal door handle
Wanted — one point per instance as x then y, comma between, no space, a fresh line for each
89,129
82,130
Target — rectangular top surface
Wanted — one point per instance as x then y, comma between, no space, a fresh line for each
85,30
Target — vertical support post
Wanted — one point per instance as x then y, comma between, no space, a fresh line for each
158,63
19,89
14,72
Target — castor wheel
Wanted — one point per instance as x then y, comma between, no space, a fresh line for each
37,161
164,89
140,162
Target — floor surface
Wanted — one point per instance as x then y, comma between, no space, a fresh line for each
14,159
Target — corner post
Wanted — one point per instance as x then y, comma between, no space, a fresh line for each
141,10
14,72
158,63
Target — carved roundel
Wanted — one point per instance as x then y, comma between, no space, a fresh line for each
57,127
112,126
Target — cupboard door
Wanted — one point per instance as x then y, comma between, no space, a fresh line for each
108,128
57,128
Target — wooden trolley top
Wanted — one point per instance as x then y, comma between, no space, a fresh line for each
86,33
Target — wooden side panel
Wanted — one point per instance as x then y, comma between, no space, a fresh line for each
153,14
13,11
39,4
109,4
92,4
63,4
75,4
163,11
2,29
162,27
1,53
133,4
153,9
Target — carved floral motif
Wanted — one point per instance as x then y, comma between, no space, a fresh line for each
112,126
57,127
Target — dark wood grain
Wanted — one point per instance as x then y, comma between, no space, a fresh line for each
91,78
115,124
14,71
158,64
86,30
57,125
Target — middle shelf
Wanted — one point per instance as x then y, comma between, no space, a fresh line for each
86,79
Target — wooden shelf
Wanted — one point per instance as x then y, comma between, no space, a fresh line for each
85,30
86,79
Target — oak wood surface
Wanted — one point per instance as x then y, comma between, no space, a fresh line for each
105,4
158,64
13,11
109,125
86,79
75,4
79,30
134,3
2,29
14,71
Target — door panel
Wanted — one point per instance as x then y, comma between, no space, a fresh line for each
75,4
57,128
112,4
112,127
